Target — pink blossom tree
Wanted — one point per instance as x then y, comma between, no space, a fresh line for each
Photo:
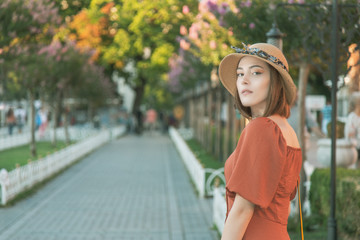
71,73
25,25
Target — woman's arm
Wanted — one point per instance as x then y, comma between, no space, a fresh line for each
238,219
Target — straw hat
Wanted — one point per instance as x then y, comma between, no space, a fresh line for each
263,51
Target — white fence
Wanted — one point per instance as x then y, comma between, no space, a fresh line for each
193,166
219,208
14,141
22,178
203,184
75,133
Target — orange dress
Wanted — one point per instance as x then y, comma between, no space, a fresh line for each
265,171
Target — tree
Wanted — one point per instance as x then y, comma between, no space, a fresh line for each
24,26
185,71
69,8
72,73
25,71
141,36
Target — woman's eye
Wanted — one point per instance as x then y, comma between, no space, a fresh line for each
256,73
240,74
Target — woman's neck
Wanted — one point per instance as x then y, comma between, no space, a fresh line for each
256,113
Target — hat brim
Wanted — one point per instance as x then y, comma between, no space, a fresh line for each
228,76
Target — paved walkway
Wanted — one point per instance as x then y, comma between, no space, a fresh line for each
132,188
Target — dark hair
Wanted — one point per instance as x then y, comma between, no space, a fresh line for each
276,100
10,112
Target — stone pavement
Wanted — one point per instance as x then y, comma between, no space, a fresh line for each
132,188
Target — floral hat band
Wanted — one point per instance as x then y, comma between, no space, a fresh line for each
265,52
260,53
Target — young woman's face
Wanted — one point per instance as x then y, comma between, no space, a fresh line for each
253,82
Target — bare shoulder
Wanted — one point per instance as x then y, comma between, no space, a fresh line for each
286,130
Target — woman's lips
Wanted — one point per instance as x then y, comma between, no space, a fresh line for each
246,92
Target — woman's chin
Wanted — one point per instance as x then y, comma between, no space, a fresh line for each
246,104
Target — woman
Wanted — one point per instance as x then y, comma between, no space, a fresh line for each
10,120
263,171
352,124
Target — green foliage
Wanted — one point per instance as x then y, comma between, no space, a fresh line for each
205,158
144,33
69,8
347,200
158,98
27,21
119,48
251,23
23,69
161,55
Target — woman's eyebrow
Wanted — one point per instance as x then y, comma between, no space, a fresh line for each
253,66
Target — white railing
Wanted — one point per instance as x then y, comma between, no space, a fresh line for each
204,184
216,178
219,208
195,169
22,178
14,141
75,133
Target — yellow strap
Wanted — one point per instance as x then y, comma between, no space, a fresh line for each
301,222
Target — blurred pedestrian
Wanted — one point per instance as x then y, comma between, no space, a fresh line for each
163,122
352,124
130,123
263,171
43,114
20,115
326,116
10,120
37,120
151,118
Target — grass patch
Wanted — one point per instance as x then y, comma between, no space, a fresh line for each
315,235
21,155
205,158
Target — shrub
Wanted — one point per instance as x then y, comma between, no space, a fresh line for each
347,200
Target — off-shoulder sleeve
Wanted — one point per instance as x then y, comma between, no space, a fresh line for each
259,161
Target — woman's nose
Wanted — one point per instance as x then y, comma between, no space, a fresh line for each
245,79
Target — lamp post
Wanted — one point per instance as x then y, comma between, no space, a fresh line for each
332,226
274,36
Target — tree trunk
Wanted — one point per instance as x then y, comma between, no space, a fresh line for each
235,124
218,138
32,125
53,139
66,127
226,127
210,142
196,116
303,79
202,117
139,94
55,115
62,97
